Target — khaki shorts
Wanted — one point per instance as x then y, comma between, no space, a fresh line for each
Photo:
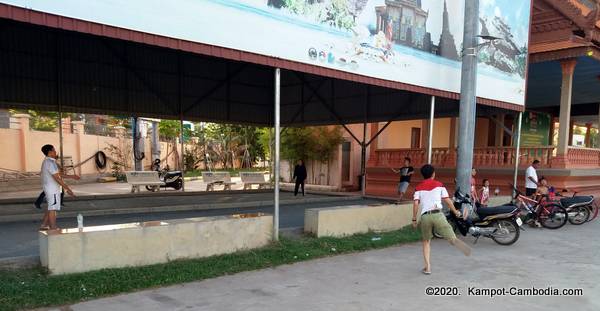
437,222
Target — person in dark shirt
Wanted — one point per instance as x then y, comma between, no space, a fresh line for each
405,173
299,176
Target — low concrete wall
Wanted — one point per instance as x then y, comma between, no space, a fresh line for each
348,220
139,244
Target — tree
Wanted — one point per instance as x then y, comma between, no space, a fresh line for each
315,144
41,120
169,130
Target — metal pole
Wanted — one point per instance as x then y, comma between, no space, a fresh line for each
468,88
182,150
430,138
60,137
363,161
155,141
517,151
276,164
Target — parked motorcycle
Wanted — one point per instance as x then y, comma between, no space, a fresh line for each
500,223
579,207
172,179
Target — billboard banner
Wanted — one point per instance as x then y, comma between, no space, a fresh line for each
417,42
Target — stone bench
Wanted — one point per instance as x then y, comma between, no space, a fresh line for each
217,178
140,244
143,178
254,178
348,220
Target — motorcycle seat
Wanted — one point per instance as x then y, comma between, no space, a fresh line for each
581,200
489,211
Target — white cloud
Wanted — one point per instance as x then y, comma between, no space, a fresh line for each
497,12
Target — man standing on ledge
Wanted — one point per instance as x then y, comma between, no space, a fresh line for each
429,194
52,184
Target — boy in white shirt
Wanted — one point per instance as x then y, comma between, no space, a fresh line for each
429,195
52,185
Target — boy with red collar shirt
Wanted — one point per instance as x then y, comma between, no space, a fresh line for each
429,195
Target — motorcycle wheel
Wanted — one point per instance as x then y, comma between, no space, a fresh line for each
553,216
507,233
152,188
178,184
582,216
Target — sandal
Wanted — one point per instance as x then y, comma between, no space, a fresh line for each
424,271
44,228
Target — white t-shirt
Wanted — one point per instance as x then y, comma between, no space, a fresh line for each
530,172
49,168
430,193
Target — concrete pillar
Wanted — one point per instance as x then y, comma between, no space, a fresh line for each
499,137
23,121
78,130
155,141
568,68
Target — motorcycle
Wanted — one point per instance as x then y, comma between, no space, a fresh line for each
579,207
172,179
500,223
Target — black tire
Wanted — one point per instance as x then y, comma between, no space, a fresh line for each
178,185
556,218
513,231
152,188
100,159
583,214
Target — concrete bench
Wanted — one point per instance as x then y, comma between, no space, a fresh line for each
217,178
143,178
154,242
254,178
348,220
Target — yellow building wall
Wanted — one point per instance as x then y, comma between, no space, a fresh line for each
397,134
481,132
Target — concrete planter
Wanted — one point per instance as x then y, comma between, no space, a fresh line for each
139,244
348,220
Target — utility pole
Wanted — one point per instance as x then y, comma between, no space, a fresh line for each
468,86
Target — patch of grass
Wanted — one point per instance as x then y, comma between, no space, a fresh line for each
31,288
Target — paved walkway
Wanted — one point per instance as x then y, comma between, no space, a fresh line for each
389,279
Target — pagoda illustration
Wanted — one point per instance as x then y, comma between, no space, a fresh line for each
447,47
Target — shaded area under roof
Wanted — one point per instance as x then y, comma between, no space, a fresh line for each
42,68
544,85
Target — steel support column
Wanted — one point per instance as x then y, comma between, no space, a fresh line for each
517,150
430,137
277,155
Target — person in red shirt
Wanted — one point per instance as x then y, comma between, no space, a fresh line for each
429,195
